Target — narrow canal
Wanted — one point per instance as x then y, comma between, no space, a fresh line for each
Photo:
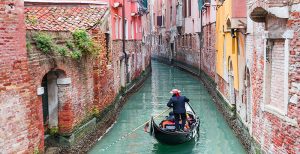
215,134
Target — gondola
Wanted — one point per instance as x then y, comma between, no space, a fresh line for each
166,134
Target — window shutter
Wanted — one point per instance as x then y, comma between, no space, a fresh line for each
159,20
184,8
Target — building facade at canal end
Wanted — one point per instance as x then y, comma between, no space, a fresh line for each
63,70
247,54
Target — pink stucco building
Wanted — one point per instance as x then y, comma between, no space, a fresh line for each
132,21
175,25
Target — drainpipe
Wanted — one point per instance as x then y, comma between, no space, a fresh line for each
123,39
201,43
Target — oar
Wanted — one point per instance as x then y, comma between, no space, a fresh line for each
136,129
147,122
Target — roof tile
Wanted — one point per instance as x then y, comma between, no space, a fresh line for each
62,18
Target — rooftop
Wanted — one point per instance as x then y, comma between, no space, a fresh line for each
63,17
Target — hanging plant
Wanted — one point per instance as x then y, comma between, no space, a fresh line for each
62,50
44,42
81,43
84,42
75,54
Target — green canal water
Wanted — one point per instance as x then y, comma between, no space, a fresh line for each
215,135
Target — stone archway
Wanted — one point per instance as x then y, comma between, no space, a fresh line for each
50,100
231,82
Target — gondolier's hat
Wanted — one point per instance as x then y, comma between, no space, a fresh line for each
174,91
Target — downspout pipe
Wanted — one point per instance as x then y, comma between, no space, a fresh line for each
201,42
123,40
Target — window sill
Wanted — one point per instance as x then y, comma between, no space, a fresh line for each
280,114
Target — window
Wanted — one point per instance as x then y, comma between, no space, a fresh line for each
191,41
159,21
136,27
120,28
107,47
276,76
189,8
186,8
163,19
132,30
154,21
117,28
126,29
171,14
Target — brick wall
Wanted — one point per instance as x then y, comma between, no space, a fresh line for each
223,87
161,49
209,50
276,72
188,50
292,141
137,61
104,92
21,121
275,132
76,100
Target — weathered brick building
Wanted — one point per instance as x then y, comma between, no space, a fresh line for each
208,38
126,39
188,35
62,75
273,58
69,82
20,122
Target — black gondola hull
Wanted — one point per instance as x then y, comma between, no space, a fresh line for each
168,137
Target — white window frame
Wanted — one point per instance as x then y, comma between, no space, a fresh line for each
117,27
120,28
136,27
132,30
126,29
281,113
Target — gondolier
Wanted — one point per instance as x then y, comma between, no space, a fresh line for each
177,102
165,132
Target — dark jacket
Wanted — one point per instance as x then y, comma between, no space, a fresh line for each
178,103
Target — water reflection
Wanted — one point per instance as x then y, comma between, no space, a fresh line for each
185,148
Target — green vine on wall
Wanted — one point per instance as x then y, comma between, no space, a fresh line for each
84,43
80,44
44,42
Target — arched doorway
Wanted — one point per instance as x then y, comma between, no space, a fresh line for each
50,100
231,82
